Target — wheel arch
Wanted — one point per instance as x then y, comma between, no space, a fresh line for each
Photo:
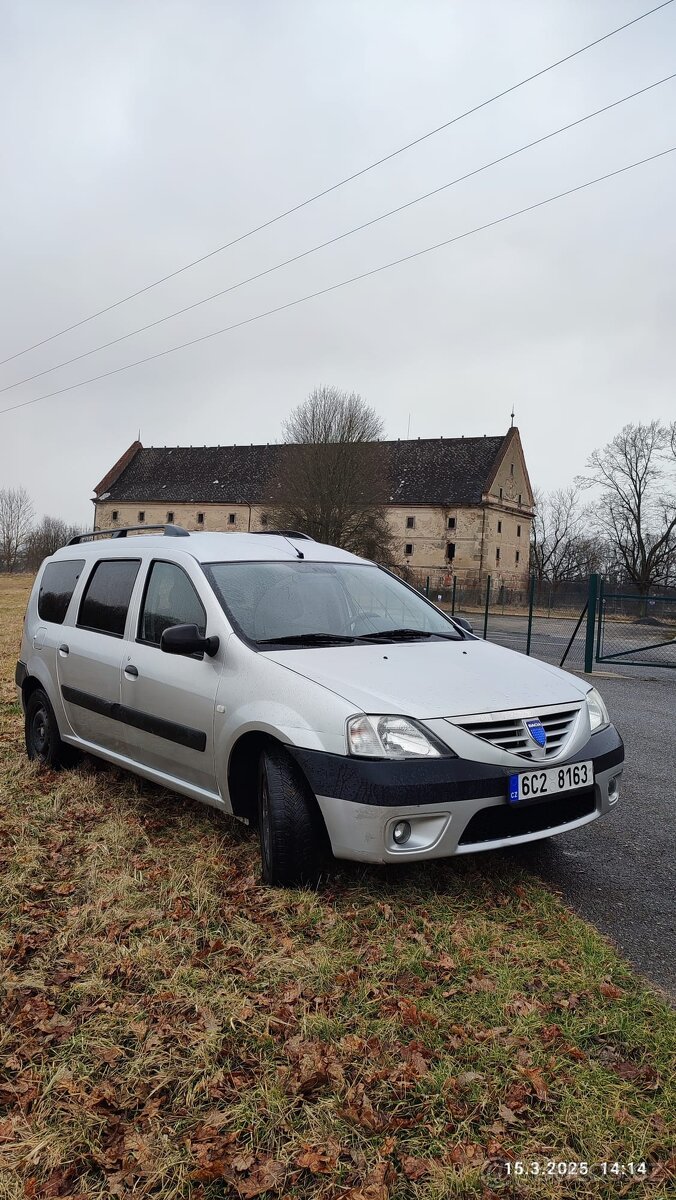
32,684
242,775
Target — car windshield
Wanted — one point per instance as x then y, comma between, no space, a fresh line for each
314,602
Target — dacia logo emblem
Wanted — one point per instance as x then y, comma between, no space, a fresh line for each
537,732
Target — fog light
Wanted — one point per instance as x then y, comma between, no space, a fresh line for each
401,832
614,789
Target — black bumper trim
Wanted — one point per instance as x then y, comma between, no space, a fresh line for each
20,673
438,781
182,735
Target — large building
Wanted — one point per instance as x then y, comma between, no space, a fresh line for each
457,506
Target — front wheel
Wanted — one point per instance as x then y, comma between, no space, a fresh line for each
294,844
43,740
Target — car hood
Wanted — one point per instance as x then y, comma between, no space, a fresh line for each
433,679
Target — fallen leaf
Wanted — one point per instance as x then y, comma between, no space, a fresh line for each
414,1168
318,1160
507,1115
108,1054
611,991
537,1079
243,1161
267,1175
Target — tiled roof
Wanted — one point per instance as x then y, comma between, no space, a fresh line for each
438,471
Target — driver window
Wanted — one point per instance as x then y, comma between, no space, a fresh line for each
170,599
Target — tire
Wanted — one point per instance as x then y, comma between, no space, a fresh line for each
293,839
43,740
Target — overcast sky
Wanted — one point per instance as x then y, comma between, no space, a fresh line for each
140,134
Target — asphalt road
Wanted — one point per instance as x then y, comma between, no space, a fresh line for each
619,871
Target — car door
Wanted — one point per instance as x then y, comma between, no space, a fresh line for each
168,700
89,654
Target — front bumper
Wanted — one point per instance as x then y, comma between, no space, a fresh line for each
454,806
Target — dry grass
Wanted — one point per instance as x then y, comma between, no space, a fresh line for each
171,1028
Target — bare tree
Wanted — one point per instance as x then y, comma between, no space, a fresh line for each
44,539
332,480
636,511
556,537
16,516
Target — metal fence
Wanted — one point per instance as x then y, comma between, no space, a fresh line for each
571,623
636,630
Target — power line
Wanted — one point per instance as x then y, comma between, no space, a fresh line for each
341,183
343,283
339,237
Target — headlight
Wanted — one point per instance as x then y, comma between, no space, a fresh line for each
392,737
598,713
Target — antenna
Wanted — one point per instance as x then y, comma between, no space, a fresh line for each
512,425
408,431
299,553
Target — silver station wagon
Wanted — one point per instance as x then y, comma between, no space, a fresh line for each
308,692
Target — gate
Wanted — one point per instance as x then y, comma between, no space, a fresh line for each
636,630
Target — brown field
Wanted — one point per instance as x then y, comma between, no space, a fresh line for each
172,1029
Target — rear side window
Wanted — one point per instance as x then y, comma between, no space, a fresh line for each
170,599
56,588
107,595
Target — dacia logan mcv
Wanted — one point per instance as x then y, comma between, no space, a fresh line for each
309,692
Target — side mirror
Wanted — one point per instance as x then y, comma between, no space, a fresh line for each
187,639
463,623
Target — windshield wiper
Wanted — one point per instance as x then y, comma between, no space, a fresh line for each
394,635
406,635
309,639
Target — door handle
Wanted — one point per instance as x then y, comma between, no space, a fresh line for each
64,650
132,671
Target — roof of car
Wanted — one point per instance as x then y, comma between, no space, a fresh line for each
211,547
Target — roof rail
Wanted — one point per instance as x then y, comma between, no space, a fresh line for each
168,530
289,533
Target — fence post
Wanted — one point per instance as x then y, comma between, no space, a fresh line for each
531,600
455,584
591,623
488,599
427,587
601,618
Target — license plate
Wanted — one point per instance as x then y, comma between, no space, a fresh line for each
538,785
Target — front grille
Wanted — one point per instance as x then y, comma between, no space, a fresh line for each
509,732
505,821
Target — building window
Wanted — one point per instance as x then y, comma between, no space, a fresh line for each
264,518
451,522
410,522
497,555
115,514
501,493
519,500
450,551
518,531
511,468
408,549
499,526
170,518
200,518
231,518
517,558
141,516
